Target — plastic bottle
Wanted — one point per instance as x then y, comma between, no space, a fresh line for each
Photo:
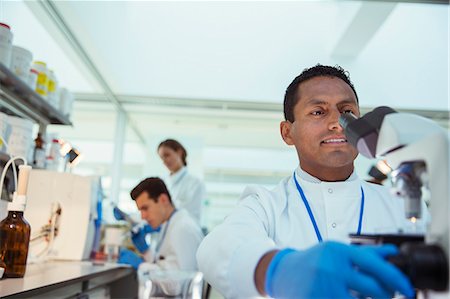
52,89
6,38
53,157
42,80
15,230
21,60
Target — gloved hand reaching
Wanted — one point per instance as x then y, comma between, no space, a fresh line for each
138,237
128,257
118,214
335,270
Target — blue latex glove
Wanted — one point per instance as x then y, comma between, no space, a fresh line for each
118,214
138,238
148,229
128,257
336,270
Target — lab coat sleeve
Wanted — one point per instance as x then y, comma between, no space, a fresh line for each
229,254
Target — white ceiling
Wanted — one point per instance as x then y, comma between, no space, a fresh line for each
234,51
396,52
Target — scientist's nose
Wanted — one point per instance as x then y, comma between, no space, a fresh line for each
333,121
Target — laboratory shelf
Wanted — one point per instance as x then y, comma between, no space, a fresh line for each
18,98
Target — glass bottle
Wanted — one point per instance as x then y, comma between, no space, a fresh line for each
14,242
15,230
39,151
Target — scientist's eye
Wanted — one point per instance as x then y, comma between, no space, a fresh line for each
347,111
317,112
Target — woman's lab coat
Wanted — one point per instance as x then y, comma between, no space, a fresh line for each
266,220
187,192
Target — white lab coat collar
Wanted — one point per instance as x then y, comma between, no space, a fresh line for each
312,179
175,177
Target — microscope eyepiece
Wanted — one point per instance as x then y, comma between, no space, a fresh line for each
362,132
346,118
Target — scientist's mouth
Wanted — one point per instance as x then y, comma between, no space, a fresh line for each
334,141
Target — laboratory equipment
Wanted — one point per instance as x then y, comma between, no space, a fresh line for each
179,284
417,149
74,200
113,240
15,230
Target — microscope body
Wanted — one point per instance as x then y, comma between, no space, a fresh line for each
413,139
417,149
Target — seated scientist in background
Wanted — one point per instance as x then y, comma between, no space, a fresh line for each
187,191
179,237
273,243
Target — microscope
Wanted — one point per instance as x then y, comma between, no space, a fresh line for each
417,149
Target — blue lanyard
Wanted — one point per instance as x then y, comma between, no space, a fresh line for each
163,236
311,216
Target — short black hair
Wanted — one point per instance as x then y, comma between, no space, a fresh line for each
291,95
153,186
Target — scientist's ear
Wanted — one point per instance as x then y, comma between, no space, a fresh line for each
285,130
163,198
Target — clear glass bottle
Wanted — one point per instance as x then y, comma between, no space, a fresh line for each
14,242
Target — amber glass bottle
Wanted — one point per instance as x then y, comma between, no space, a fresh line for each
14,241
15,230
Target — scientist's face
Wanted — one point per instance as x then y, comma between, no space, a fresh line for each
321,145
151,211
171,158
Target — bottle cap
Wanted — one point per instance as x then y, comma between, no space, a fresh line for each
18,204
5,25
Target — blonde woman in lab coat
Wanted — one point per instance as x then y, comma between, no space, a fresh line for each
175,245
187,191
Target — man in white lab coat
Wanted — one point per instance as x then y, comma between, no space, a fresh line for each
179,236
273,243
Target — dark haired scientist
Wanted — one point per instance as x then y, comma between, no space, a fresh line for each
292,241
179,237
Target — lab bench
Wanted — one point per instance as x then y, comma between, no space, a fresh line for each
64,279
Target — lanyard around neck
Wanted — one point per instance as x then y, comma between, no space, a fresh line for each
163,235
311,215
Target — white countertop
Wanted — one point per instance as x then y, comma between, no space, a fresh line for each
56,273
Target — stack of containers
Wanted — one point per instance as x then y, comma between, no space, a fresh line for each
37,76
21,63
6,38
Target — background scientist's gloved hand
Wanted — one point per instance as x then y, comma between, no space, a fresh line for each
128,257
118,214
335,270
148,229
138,237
